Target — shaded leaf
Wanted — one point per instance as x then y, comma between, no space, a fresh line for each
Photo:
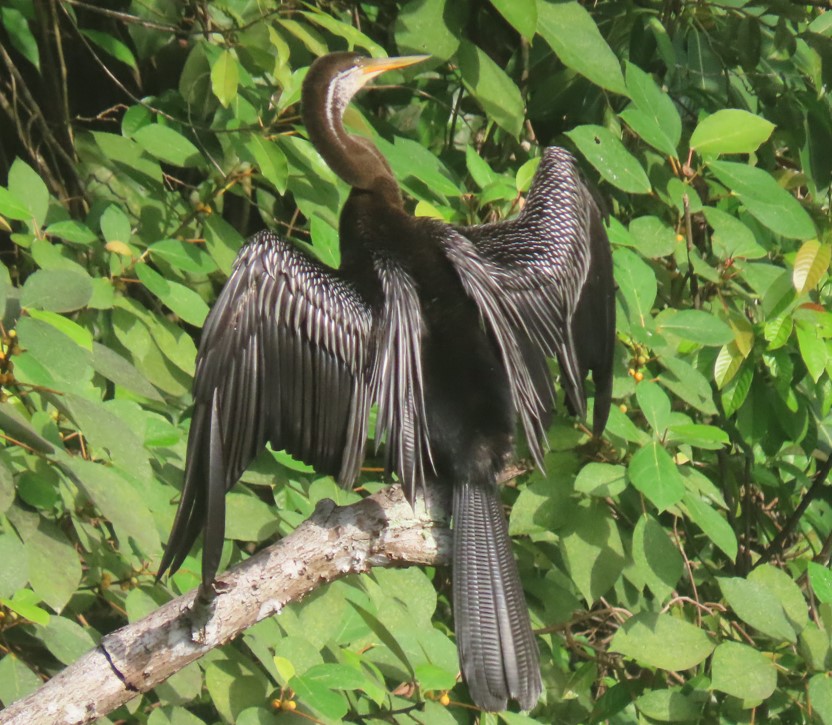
491,86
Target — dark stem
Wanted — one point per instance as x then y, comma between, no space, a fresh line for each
775,548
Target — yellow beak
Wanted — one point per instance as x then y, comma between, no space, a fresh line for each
372,67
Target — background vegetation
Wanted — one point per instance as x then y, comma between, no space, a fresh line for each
676,570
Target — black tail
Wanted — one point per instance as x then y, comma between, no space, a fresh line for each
497,649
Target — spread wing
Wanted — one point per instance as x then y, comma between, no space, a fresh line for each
284,358
554,266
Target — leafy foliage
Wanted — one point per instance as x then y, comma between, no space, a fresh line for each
676,570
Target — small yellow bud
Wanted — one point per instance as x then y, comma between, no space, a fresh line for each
623,408
444,700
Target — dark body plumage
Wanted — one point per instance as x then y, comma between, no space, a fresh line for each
445,330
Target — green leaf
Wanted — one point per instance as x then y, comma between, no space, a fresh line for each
636,284
820,697
72,231
727,364
670,705
813,349
778,331
480,171
112,46
319,698
654,404
235,684
12,207
612,160
66,639
57,290
730,131
25,603
184,256
6,497
732,238
491,86
54,567
115,225
821,580
167,145
810,264
15,570
541,506
653,238
713,525
20,36
571,32
430,677
601,479
592,550
656,558
121,503
695,325
743,672
14,424
182,300
520,14
430,26
656,112
248,518
698,435
114,367
225,77
270,160
779,583
352,35
26,185
16,679
687,383
653,472
663,641
757,606
765,199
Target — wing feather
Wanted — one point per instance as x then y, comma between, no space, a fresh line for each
554,264
397,379
285,358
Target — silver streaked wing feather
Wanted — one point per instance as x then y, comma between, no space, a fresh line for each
284,357
397,378
554,263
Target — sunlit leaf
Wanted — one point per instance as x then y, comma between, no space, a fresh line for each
225,77
730,131
581,48
810,264
612,160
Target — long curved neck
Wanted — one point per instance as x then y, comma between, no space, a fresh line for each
355,159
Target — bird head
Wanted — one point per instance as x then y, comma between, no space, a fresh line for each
343,74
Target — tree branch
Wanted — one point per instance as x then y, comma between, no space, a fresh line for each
382,530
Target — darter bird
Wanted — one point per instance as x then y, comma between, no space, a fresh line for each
445,329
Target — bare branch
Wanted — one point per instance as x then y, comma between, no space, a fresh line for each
382,530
